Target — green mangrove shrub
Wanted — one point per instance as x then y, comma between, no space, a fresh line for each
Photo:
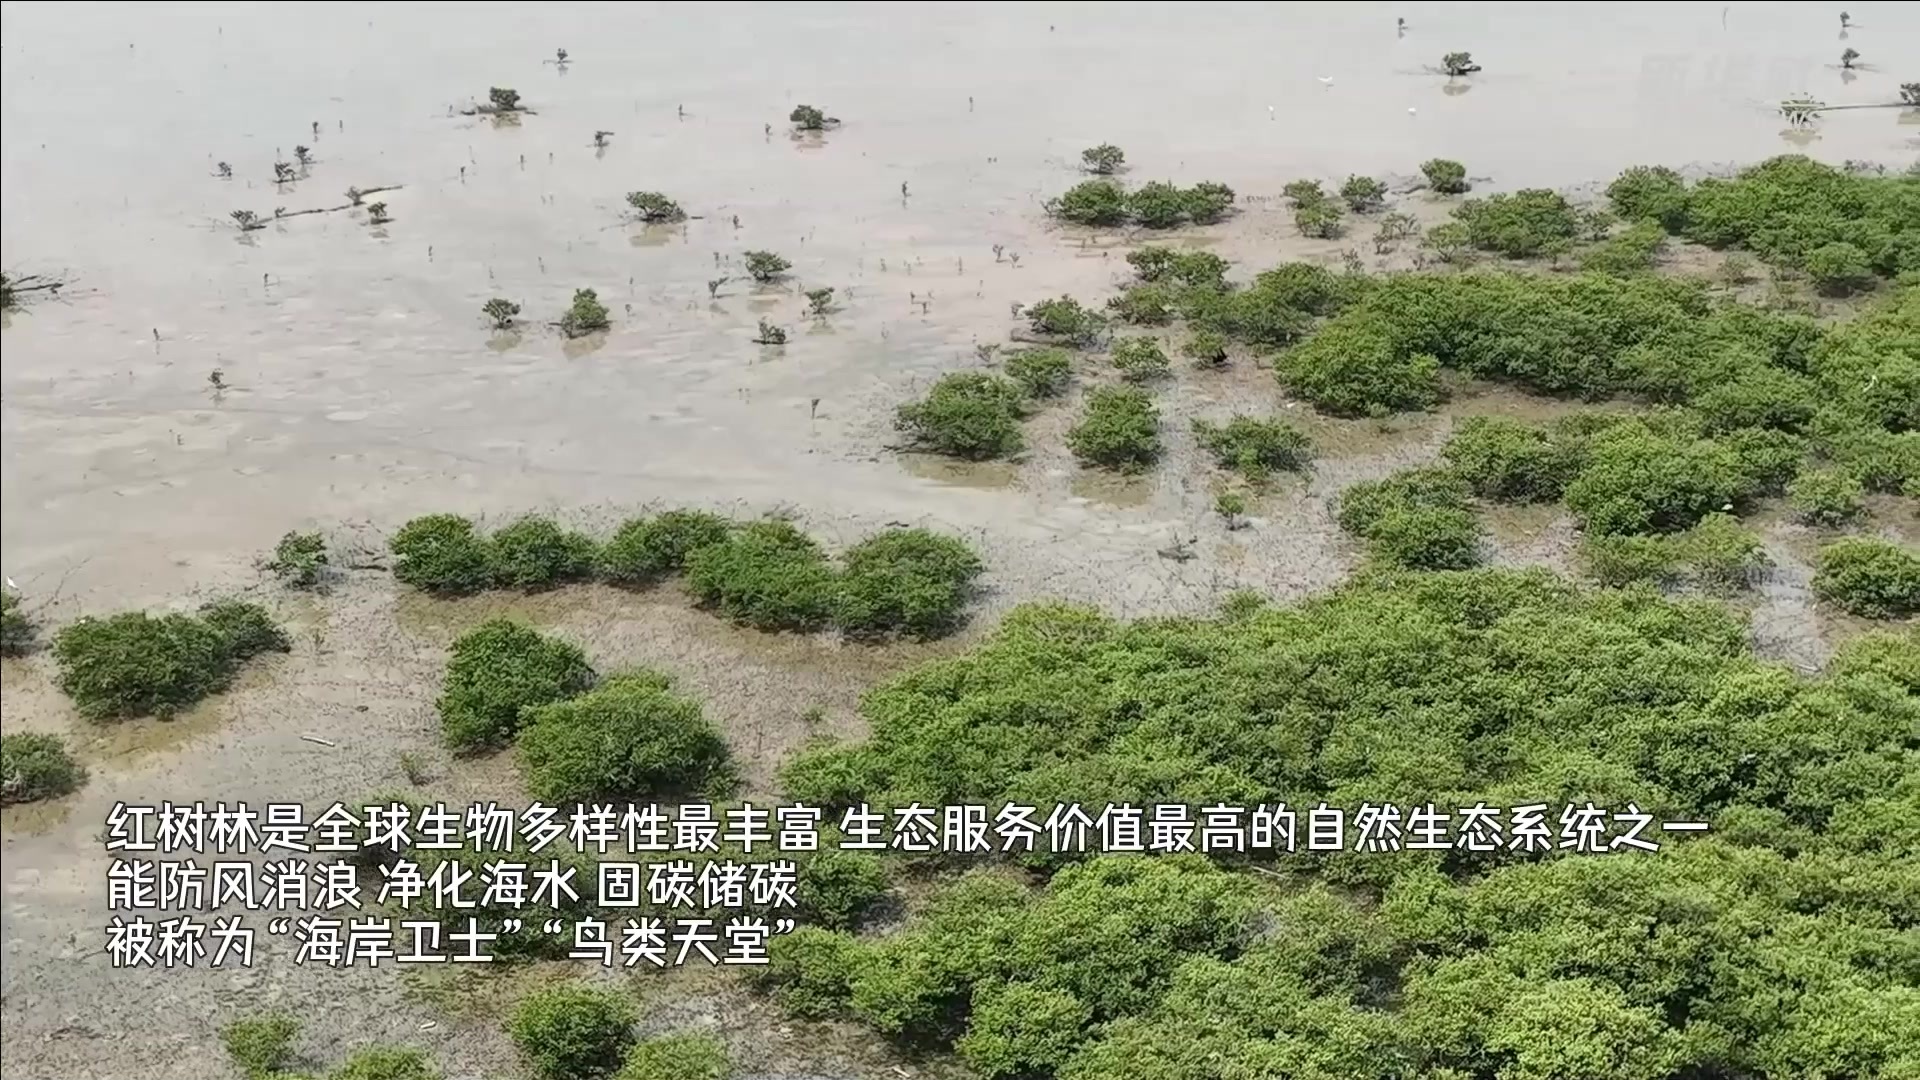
1870,577
35,765
1634,251
572,1031
971,414
261,1046
135,664
1524,224
909,582
534,552
1416,518
499,671
500,312
586,315
1353,369
1363,194
1144,305
1826,496
629,738
1041,372
17,629
1139,359
245,630
299,559
1651,192
384,1063
1066,319
809,118
1445,176
652,207
442,553
1119,429
686,1055
765,266
1206,348
1640,481
1508,461
838,888
645,549
768,575
1255,448
809,971
1717,555
1103,160
1193,269
1091,202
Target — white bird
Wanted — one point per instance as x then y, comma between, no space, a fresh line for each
1411,111
1269,112
12,586
1325,80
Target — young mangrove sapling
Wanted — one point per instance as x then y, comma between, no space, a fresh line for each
501,311
808,118
1103,160
764,266
586,315
653,207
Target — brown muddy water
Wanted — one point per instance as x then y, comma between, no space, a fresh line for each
363,386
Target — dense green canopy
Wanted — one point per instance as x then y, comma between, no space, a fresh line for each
1784,943
1789,209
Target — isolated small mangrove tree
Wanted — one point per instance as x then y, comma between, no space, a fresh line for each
500,312
585,316
1445,176
765,266
653,207
808,118
1103,160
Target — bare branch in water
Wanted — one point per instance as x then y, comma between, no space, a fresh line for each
13,286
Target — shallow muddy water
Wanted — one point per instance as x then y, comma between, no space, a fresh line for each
363,386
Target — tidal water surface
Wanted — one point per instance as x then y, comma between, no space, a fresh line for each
362,384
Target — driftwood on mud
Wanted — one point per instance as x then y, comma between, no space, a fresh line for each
1799,111
280,215
12,287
